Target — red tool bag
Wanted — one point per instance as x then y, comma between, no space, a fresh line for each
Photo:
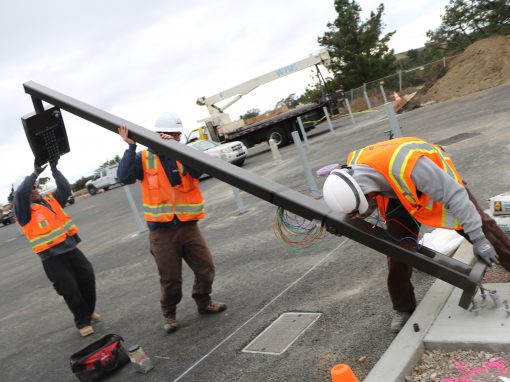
99,359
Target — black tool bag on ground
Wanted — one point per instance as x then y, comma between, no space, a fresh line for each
99,359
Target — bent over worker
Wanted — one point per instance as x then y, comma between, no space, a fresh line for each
54,238
172,204
412,182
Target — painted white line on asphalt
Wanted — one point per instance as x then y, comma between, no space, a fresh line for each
260,311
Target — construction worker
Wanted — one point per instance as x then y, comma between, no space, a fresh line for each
412,182
54,238
173,204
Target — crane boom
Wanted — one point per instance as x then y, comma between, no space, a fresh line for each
321,57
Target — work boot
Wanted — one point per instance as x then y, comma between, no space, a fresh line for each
170,324
86,331
399,320
95,317
213,307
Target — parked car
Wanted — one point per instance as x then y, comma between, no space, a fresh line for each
8,217
233,152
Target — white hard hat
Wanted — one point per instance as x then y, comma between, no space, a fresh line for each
168,123
342,193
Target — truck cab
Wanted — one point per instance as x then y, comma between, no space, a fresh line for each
106,178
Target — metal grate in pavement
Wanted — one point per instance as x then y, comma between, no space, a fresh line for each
282,333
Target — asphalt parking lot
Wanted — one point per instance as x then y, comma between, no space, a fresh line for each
256,276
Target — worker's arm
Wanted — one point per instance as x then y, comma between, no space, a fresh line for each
63,190
22,201
130,166
194,173
433,181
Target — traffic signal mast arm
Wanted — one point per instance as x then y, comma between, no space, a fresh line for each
450,270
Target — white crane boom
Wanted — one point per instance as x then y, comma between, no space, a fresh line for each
217,112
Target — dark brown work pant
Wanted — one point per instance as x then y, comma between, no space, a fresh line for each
401,226
169,247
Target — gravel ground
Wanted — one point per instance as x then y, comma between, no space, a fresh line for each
462,365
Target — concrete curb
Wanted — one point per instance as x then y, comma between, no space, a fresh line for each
408,347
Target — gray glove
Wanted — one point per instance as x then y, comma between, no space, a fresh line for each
485,251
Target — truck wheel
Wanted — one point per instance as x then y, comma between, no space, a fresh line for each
278,135
92,190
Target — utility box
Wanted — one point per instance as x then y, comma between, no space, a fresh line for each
46,134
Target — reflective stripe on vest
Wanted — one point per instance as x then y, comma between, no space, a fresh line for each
399,161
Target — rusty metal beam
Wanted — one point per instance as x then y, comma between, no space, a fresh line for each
452,271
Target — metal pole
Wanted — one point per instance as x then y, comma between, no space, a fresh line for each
348,107
277,158
141,225
239,201
328,119
392,118
455,272
306,166
382,92
400,80
367,100
303,132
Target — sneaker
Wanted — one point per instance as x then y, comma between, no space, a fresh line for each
170,324
399,320
86,331
212,308
95,317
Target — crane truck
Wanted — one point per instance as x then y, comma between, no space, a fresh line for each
278,125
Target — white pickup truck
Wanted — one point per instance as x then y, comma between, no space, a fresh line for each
107,178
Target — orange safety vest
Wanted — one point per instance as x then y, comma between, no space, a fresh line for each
395,159
48,227
162,201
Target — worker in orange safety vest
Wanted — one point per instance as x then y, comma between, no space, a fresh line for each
54,238
172,206
412,182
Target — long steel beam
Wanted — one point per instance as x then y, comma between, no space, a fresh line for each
452,271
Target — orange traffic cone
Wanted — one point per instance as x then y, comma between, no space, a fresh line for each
342,373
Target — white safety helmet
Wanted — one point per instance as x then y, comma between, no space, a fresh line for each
342,193
168,123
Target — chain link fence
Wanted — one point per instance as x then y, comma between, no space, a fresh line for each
376,93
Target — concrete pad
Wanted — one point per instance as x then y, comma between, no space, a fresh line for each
456,328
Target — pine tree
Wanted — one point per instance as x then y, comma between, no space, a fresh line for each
359,53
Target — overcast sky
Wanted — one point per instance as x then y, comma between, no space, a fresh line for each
136,59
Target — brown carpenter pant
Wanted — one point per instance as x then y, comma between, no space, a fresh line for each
401,225
169,247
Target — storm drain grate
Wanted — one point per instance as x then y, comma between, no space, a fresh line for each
282,333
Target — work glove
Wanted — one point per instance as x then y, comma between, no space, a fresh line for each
38,169
485,251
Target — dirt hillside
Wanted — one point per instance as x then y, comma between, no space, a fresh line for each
484,64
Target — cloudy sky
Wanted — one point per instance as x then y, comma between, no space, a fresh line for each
135,61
